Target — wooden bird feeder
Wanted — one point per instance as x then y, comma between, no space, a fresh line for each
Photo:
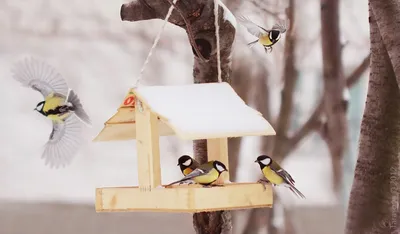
210,111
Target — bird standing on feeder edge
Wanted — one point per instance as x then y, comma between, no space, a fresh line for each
61,105
275,174
206,174
267,38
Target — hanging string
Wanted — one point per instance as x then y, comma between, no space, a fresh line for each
139,78
216,24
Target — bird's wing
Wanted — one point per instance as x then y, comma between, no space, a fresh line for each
252,28
280,26
195,173
282,173
40,76
63,143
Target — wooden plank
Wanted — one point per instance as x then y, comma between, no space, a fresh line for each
148,148
184,198
217,149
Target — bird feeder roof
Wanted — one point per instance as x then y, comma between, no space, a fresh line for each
194,111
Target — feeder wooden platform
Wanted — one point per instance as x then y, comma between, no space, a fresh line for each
184,198
211,111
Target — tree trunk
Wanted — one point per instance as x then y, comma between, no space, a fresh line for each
335,129
201,31
374,195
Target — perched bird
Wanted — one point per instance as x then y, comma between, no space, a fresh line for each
266,38
187,164
205,174
276,175
61,105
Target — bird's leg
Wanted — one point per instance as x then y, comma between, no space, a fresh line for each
268,49
264,182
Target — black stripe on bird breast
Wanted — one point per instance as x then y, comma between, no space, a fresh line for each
60,110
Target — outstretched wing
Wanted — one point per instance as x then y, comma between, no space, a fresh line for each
280,26
252,28
40,76
282,173
63,143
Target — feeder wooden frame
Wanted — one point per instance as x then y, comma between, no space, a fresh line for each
151,196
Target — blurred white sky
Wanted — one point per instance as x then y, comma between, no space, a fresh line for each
100,56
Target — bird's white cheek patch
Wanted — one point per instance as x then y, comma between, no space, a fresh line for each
220,168
187,162
266,161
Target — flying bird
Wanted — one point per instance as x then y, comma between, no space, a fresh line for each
266,37
61,105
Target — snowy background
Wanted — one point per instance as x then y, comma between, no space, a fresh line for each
100,57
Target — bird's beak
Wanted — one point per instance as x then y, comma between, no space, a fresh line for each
256,161
177,164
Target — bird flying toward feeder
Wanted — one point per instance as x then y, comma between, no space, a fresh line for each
187,164
206,174
266,37
61,105
276,175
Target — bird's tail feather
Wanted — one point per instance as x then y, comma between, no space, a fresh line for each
179,181
79,111
296,191
251,44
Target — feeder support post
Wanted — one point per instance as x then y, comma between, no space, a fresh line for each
148,147
217,149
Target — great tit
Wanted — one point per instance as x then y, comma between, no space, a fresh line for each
187,164
205,174
276,175
61,105
267,38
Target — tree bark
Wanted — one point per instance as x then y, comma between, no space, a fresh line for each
387,16
335,129
374,195
200,14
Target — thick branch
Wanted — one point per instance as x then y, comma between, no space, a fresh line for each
374,194
387,16
335,104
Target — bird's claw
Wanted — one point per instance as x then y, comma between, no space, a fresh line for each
268,49
264,183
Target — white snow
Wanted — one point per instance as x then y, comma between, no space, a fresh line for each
228,14
199,111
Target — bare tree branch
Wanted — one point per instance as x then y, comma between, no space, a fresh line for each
189,31
314,123
290,75
264,9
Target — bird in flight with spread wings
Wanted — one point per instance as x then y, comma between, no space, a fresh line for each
266,37
61,105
